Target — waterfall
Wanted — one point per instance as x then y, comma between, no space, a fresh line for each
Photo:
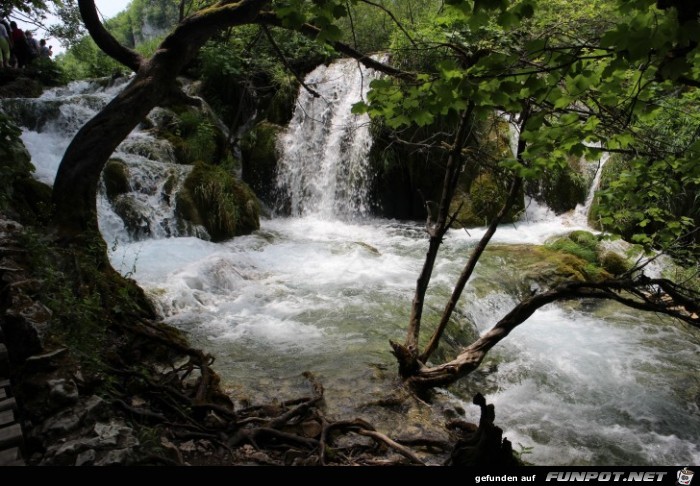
148,209
587,384
324,166
583,210
538,211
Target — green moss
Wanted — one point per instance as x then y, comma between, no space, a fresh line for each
281,106
31,201
556,266
482,201
225,206
579,243
85,296
21,196
563,188
260,155
614,264
116,178
584,257
193,136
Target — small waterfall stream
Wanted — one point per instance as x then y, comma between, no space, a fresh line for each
324,166
582,211
580,383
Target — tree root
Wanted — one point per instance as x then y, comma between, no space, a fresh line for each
293,432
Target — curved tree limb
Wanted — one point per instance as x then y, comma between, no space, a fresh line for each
75,188
104,40
649,299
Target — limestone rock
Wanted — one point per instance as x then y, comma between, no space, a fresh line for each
63,391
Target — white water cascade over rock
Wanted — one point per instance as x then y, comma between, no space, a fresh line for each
580,383
324,167
147,210
583,210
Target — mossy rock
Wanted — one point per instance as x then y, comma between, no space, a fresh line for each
547,265
31,114
563,188
483,201
579,243
193,135
15,158
116,178
281,106
215,199
129,211
186,208
406,177
409,178
31,201
20,87
21,196
614,264
260,155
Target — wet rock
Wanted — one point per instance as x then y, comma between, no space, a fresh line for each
24,326
40,360
133,213
63,391
104,444
72,418
188,446
113,434
86,458
95,408
311,429
116,178
116,457
62,423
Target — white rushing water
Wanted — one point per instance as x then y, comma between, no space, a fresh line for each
324,166
586,383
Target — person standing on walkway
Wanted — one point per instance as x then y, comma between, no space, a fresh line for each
33,45
21,46
44,50
4,46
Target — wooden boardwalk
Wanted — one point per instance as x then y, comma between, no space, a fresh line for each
11,438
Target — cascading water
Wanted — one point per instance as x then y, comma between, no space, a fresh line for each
53,119
583,210
324,167
580,383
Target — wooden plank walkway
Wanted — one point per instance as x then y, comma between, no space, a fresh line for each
11,437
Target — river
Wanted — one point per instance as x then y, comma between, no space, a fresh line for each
325,290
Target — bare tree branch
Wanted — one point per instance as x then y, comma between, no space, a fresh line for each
311,31
650,297
469,269
281,57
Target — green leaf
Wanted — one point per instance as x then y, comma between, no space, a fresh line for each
360,108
